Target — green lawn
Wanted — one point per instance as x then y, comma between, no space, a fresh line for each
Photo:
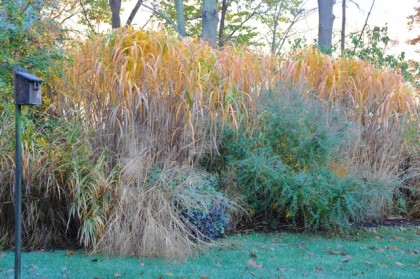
378,253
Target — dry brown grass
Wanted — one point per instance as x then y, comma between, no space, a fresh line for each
146,220
150,81
371,96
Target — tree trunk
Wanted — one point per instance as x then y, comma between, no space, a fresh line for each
222,23
210,20
115,13
326,21
343,28
180,19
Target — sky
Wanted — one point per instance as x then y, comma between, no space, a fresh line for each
393,12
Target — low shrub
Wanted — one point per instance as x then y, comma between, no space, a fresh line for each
207,209
290,168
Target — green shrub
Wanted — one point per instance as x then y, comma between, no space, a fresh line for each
283,167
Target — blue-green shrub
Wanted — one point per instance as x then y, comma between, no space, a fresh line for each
195,197
282,168
203,206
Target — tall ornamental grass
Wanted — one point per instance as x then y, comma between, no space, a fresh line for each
135,100
151,86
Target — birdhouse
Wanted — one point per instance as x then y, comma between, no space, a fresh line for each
27,89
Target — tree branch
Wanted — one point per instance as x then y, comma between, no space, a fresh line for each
298,17
162,15
364,26
243,22
85,15
134,12
70,16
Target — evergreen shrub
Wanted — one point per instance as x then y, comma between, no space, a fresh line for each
284,166
208,209
198,202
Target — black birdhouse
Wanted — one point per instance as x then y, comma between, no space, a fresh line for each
27,89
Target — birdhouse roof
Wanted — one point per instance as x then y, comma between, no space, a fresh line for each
29,76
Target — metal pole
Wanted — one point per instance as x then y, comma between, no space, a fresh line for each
18,195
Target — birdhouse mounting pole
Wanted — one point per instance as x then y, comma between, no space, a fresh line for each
18,195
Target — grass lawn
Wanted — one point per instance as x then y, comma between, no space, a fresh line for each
376,253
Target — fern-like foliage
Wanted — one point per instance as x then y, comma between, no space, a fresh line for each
283,168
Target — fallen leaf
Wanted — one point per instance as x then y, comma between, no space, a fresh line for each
203,277
383,265
393,248
346,259
117,275
254,264
368,264
399,264
319,269
340,268
337,253
357,272
170,274
70,252
33,267
253,255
